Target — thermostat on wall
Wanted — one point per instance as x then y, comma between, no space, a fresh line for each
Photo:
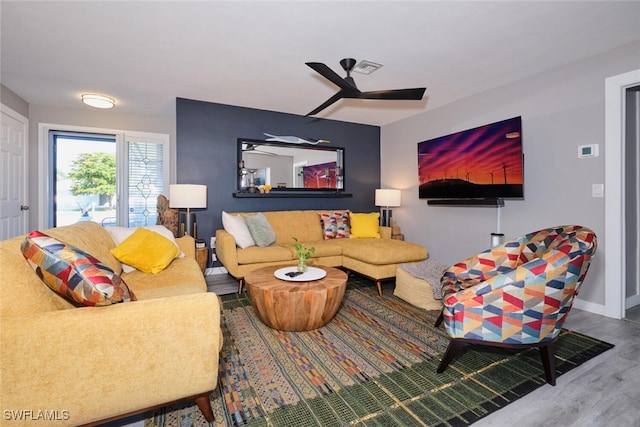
590,150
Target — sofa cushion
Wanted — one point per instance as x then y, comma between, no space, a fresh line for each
303,225
237,227
365,225
255,254
73,273
335,224
147,251
120,234
382,251
260,230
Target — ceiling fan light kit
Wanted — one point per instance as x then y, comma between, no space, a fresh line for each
348,88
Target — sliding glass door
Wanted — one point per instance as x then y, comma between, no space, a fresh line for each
111,179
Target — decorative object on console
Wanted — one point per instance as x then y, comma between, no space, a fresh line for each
187,196
387,198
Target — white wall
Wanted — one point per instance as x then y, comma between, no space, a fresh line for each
561,109
89,117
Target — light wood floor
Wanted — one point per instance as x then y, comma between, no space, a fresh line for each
603,392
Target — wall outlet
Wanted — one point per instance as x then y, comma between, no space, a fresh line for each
213,243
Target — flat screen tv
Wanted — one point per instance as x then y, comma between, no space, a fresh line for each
480,163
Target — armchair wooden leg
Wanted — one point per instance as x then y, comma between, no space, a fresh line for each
547,354
454,347
240,283
439,319
204,404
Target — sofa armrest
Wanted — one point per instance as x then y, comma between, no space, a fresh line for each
226,251
187,244
385,232
100,362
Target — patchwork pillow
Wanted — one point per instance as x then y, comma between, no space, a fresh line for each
237,227
335,225
73,273
120,234
365,225
147,251
260,230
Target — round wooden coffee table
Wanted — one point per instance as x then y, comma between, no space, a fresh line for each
295,306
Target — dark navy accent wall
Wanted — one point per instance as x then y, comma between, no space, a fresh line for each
207,135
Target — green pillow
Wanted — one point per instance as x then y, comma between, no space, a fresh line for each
260,230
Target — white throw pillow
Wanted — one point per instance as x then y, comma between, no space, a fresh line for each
120,234
237,227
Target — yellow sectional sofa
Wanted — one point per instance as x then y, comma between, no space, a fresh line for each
374,258
71,365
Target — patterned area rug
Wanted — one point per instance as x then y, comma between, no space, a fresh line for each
374,364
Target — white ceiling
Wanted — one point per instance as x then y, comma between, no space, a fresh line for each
146,53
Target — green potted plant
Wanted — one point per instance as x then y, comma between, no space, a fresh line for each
303,254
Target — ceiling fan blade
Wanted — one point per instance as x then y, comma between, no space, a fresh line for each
334,98
332,76
397,94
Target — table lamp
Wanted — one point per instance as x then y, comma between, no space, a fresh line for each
386,198
187,196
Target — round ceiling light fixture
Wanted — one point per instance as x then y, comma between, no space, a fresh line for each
98,101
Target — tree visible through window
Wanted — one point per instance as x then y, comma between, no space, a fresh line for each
109,179
84,179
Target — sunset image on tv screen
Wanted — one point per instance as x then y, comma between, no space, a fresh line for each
484,162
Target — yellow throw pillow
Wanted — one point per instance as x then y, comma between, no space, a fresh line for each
365,225
147,251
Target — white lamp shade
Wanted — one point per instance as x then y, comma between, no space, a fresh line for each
187,196
388,197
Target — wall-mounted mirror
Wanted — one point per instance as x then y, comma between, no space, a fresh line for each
286,167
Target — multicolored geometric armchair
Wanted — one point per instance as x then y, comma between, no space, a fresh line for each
517,294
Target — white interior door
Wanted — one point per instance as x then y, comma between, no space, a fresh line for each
14,213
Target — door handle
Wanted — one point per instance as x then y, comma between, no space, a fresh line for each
24,207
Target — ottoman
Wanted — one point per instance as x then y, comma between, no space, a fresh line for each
416,287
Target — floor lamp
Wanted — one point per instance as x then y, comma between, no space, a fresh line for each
189,196
387,198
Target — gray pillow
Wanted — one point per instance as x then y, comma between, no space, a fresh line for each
260,230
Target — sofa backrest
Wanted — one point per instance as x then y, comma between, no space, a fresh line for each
21,290
303,225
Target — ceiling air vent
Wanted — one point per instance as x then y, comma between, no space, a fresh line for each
366,67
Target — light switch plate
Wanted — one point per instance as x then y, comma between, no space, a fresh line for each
597,190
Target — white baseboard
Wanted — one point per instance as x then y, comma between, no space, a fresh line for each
591,307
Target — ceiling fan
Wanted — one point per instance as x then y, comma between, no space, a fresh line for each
348,88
